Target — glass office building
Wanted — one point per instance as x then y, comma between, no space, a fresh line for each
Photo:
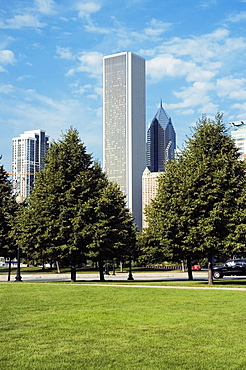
124,125
161,141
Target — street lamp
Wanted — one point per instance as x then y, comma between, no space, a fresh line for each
130,276
19,199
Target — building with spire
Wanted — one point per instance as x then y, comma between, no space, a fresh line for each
161,141
124,126
160,148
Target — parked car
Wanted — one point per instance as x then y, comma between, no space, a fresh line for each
232,267
196,267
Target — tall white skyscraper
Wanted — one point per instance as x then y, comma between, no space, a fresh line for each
28,151
124,125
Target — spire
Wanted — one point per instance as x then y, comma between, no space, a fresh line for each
161,103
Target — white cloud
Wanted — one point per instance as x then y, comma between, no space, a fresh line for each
5,41
6,89
196,96
70,72
156,27
237,17
93,28
85,9
199,48
187,112
19,21
45,6
207,3
232,88
64,53
21,78
167,65
7,57
241,107
130,3
91,62
208,107
79,89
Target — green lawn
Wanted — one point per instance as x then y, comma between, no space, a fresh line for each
73,326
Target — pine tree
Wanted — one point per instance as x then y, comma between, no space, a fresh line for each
73,211
113,232
5,191
61,205
8,209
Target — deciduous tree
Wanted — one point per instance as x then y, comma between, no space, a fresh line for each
194,212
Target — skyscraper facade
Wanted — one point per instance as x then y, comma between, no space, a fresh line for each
28,152
161,141
124,125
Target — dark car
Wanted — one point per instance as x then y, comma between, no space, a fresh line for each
235,267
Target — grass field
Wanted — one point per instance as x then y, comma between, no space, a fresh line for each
73,326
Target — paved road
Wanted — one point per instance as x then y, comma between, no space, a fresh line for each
138,276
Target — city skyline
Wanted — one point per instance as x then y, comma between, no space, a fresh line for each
51,56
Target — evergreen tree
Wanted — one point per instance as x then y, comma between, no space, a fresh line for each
113,232
73,212
5,191
8,209
194,212
61,205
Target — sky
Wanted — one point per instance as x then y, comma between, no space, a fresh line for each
51,55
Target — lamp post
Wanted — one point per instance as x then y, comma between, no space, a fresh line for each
19,199
130,276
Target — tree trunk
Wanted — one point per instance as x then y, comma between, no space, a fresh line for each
190,275
9,270
121,266
58,267
73,269
100,264
210,271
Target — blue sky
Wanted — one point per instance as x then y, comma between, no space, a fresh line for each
51,62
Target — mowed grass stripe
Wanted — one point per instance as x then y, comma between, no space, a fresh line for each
52,326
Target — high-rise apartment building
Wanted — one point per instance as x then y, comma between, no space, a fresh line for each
28,152
239,135
161,141
124,125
